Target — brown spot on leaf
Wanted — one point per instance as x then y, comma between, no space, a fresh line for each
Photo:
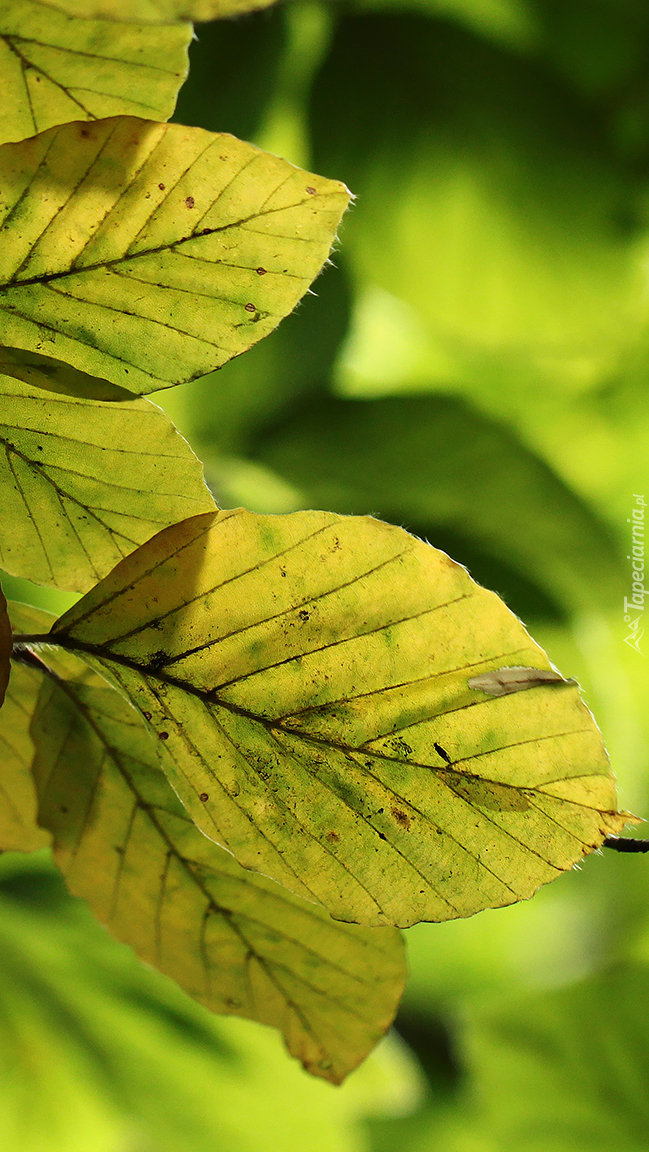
189,201
203,797
163,735
161,187
332,837
311,191
260,271
250,308
402,818
147,715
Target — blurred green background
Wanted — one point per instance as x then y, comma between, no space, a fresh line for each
473,366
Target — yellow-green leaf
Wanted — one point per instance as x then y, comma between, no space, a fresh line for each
235,941
156,10
149,254
19,831
85,482
307,676
6,642
55,68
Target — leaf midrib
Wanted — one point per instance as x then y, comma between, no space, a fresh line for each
46,277
210,697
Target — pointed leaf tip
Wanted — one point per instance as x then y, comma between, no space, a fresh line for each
307,679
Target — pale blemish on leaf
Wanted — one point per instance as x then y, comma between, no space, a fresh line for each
502,681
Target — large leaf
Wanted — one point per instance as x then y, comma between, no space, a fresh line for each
437,464
307,676
19,831
84,482
234,940
55,68
5,646
149,254
157,10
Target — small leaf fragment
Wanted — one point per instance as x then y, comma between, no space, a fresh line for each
85,482
306,676
233,940
6,642
55,67
503,681
131,248
19,831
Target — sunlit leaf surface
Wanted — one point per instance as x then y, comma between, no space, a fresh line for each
307,678
55,68
149,254
84,482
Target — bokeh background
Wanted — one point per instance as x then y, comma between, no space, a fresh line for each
473,366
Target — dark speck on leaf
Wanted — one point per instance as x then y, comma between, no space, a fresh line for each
441,752
161,187
382,837
261,271
189,201
311,191
203,797
303,615
333,837
250,308
402,818
64,809
147,715
85,133
163,735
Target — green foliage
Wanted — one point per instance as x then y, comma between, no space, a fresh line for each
98,1049
304,689
591,1035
